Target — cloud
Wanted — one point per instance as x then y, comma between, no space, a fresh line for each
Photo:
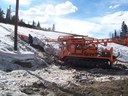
119,1
65,8
43,12
33,14
114,7
115,18
76,26
21,2
111,22
60,9
99,27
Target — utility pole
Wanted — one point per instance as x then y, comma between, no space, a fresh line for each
16,25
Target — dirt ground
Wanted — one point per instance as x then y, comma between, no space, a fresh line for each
82,86
51,79
109,88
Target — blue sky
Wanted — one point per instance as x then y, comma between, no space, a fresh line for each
96,18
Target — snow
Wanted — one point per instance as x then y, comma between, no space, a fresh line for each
54,74
13,76
123,50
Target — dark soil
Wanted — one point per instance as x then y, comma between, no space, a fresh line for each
112,88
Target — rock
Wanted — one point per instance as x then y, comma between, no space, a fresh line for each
27,90
44,92
38,84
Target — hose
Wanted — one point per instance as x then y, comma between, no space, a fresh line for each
121,61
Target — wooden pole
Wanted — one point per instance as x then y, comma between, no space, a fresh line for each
16,25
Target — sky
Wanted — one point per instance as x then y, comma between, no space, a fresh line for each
95,18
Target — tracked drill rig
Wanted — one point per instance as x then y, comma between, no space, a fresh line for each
84,51
79,50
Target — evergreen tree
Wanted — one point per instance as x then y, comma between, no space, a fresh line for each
53,27
124,30
33,24
124,27
38,25
8,15
22,23
115,34
1,15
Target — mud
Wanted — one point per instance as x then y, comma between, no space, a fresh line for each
113,88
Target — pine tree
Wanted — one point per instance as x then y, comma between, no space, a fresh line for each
115,34
38,25
33,24
124,30
124,27
8,15
1,15
22,23
53,27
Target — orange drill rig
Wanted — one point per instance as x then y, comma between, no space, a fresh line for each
79,50
122,41
83,51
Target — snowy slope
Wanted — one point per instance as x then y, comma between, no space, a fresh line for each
7,43
7,49
18,76
122,49
35,33
9,29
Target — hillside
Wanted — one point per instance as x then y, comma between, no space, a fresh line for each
28,71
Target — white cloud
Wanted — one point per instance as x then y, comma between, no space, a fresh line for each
41,19
33,14
65,8
99,27
114,7
50,10
60,9
119,1
115,18
112,22
21,2
43,12
76,26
